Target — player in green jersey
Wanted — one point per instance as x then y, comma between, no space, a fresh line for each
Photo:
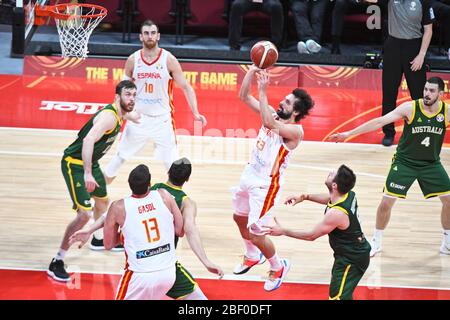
341,223
416,158
82,172
185,286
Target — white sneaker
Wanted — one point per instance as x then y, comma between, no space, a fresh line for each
301,47
313,46
376,246
444,248
276,277
247,264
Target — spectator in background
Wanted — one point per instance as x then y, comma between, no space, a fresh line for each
308,17
337,23
410,27
442,10
238,8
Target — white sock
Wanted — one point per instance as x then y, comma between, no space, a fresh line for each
113,166
251,251
98,234
196,295
60,254
378,234
447,238
275,263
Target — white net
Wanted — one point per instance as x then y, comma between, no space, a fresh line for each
74,33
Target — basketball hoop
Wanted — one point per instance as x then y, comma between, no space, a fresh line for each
75,23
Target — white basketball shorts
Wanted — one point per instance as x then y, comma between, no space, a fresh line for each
255,197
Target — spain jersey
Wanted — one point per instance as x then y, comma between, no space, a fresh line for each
270,155
148,234
178,194
154,84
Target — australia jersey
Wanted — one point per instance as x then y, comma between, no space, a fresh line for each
154,84
178,194
148,233
101,146
423,135
351,241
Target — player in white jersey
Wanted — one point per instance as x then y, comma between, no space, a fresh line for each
154,71
149,221
260,183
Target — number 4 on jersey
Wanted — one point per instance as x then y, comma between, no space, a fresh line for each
426,142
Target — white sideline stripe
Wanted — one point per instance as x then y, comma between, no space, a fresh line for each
240,278
197,161
363,145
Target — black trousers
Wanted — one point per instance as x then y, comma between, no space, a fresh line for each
398,53
239,8
308,17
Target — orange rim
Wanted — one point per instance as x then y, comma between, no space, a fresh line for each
52,11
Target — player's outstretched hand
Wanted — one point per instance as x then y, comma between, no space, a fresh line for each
293,200
254,68
81,236
339,137
274,230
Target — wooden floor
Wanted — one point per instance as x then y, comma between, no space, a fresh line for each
35,209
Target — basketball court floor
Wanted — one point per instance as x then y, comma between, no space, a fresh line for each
42,113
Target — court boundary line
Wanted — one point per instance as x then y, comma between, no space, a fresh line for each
365,145
239,278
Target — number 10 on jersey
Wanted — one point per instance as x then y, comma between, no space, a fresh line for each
148,87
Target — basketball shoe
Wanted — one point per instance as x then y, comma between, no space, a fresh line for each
247,264
57,271
97,245
276,277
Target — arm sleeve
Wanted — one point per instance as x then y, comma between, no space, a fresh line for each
427,12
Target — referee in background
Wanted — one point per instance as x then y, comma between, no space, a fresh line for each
410,30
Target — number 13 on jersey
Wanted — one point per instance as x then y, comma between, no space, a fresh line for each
151,229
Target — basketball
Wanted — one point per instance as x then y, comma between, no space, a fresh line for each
264,54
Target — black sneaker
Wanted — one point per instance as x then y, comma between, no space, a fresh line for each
96,244
57,271
118,248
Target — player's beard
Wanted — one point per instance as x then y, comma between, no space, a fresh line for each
150,44
428,102
126,107
282,114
